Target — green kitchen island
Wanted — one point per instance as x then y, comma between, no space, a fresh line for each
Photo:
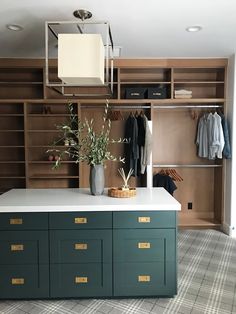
67,243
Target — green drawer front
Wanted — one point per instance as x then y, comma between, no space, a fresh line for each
23,247
80,220
144,219
17,282
145,245
81,280
80,246
145,279
24,221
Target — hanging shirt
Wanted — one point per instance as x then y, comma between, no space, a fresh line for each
202,137
210,137
227,148
146,149
216,136
131,148
141,139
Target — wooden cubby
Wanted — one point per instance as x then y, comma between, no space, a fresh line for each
27,129
144,77
175,133
21,82
91,111
98,92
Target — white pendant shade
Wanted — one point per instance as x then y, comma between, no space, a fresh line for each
81,59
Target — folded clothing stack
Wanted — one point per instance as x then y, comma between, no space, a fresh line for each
183,93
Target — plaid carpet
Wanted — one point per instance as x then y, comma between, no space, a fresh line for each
207,284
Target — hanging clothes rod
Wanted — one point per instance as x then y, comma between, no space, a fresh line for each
186,166
187,106
118,107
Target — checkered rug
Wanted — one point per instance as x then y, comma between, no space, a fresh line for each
206,284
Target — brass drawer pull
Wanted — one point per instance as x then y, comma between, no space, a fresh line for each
16,221
81,279
17,247
80,220
81,246
144,278
17,281
144,245
144,219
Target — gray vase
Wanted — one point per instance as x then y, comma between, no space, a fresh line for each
96,179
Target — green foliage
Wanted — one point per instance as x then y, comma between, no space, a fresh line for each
82,143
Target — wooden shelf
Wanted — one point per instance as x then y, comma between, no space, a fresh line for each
58,176
11,115
12,177
10,131
198,223
102,102
12,162
51,162
20,83
12,146
48,115
44,131
144,82
198,82
45,146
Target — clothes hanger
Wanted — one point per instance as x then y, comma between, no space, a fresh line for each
172,173
176,175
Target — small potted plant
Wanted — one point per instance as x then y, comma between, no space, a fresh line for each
83,144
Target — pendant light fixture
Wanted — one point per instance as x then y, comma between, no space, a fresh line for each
84,58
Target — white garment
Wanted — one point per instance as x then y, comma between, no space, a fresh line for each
183,92
217,142
210,136
146,149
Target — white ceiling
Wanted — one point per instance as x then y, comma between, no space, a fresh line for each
151,28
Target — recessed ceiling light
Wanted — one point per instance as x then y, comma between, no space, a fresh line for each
14,27
195,28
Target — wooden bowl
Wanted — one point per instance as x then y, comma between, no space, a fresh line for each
120,193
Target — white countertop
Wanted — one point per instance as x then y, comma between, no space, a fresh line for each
58,200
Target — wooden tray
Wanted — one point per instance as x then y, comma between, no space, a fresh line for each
118,192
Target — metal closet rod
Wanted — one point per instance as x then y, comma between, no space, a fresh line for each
187,166
187,106
118,107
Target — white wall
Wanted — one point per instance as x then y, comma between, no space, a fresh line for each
229,225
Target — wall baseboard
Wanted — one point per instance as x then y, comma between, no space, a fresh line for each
229,230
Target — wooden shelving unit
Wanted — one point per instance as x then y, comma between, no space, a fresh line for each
27,130
41,132
12,159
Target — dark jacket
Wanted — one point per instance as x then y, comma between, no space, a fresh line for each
227,149
165,181
131,148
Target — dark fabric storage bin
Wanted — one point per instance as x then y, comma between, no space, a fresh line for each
158,92
135,93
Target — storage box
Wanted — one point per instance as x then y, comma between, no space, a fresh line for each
158,92
135,93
